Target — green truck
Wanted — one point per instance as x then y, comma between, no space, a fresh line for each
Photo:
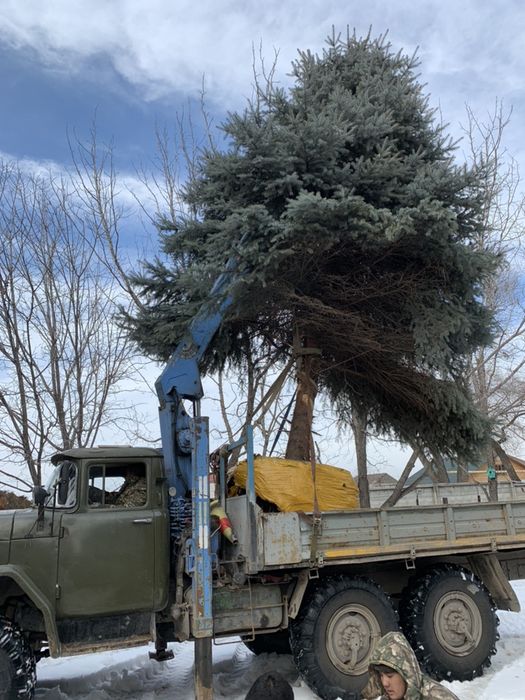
80,572
88,569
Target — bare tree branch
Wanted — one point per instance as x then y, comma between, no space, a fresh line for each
398,491
497,374
62,358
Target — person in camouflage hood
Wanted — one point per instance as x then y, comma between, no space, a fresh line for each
133,491
395,674
270,686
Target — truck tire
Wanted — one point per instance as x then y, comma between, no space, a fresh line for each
333,636
450,620
274,643
17,663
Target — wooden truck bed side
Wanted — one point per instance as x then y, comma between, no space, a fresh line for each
394,533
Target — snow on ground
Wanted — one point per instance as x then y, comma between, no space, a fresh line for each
131,675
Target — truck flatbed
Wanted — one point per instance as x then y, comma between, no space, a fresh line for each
369,535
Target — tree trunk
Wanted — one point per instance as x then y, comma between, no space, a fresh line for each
412,487
439,468
359,428
462,472
301,427
493,489
435,469
491,465
398,490
505,461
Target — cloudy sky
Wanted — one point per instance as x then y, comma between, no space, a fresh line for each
135,63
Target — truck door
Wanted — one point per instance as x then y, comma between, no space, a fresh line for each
106,561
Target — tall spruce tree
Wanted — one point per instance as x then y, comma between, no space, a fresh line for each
352,225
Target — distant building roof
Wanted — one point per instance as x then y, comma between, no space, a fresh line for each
381,479
452,468
520,462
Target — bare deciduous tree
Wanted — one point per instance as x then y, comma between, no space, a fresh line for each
96,185
63,360
261,397
359,427
497,374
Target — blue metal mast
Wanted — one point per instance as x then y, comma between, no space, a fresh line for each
181,379
185,444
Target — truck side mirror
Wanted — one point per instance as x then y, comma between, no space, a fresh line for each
40,495
63,483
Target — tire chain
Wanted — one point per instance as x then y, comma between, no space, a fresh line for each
302,629
411,613
16,646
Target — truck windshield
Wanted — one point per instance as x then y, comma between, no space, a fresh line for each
62,486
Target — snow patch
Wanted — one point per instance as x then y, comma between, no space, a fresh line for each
131,675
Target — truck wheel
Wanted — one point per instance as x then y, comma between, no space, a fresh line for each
335,632
274,643
17,663
450,621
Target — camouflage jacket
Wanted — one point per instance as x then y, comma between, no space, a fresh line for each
133,493
394,651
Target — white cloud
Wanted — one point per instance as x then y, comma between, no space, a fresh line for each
168,45
38,168
471,51
130,188
133,199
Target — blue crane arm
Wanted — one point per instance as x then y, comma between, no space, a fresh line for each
185,447
181,379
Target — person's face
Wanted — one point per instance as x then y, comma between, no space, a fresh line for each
393,685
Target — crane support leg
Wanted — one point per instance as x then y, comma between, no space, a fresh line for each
203,669
202,575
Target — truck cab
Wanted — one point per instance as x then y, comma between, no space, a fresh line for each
89,566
